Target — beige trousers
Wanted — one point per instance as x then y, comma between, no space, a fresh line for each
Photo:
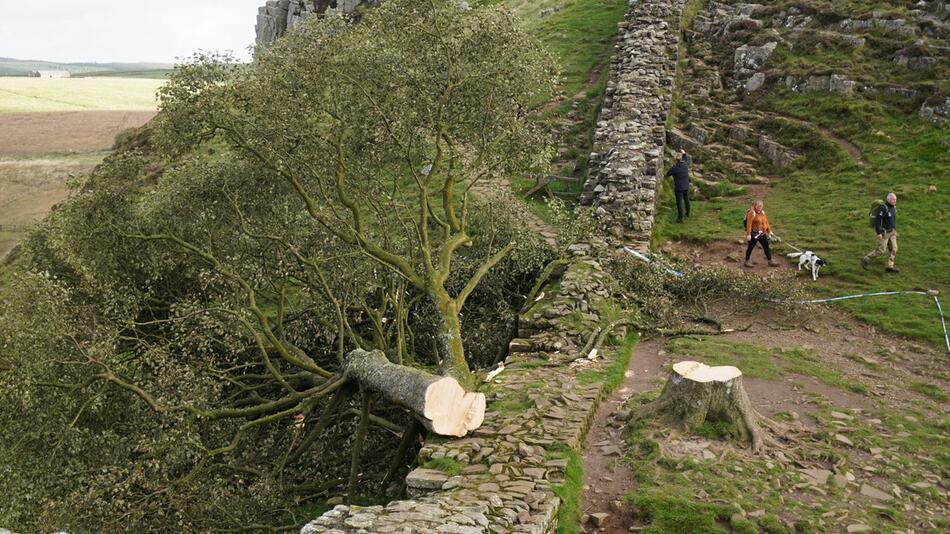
888,242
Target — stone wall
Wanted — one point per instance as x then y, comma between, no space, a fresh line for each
537,405
627,162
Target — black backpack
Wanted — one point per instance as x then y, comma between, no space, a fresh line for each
874,212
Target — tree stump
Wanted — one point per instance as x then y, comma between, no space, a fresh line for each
696,393
439,402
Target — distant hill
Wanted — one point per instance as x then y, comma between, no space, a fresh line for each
20,67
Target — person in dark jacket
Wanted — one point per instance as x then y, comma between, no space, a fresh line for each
680,174
885,225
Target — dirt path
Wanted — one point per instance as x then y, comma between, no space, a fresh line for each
731,254
884,364
845,144
29,134
608,478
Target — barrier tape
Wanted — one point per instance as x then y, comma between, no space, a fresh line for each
943,321
648,260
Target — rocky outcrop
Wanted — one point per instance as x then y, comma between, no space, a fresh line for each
937,112
277,17
506,468
899,26
832,83
628,142
776,154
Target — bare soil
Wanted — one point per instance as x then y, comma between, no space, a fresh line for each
29,134
732,254
29,188
860,353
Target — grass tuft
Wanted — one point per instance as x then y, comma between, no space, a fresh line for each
569,515
446,465
668,514
613,375
932,391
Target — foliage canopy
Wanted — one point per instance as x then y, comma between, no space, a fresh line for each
175,342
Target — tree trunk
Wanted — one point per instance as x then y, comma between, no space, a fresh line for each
452,351
696,393
439,402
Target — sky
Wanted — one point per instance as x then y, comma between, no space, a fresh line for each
105,31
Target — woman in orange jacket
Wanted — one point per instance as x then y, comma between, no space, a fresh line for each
757,230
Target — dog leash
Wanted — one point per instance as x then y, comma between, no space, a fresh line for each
783,242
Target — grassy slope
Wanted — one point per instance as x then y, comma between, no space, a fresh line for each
77,94
823,204
30,187
581,36
905,155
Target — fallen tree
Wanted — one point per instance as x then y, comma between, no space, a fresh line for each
182,343
438,402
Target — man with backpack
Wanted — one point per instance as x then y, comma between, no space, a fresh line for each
884,220
680,174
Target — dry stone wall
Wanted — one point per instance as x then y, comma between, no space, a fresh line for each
510,466
627,162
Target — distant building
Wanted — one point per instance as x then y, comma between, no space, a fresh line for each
49,74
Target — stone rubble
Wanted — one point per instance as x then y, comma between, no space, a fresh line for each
627,161
509,465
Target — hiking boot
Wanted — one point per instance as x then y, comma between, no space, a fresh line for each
748,263
679,219
773,263
892,269
864,263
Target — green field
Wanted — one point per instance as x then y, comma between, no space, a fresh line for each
154,74
77,94
22,67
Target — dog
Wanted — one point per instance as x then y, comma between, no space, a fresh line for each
810,259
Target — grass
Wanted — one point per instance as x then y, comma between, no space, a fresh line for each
613,375
151,74
580,35
513,402
668,514
29,188
931,391
905,154
569,515
22,95
446,465
768,363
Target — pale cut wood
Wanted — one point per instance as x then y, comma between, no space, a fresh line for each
440,403
700,372
696,393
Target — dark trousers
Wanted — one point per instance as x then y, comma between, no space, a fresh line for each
682,197
759,238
